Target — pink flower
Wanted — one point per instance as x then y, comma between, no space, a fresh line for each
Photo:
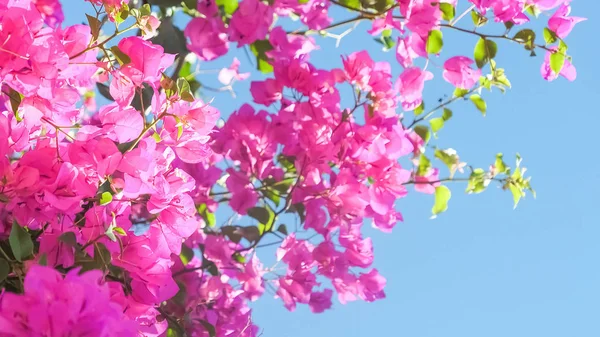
207,37
410,48
560,22
371,286
51,11
250,22
52,306
266,92
228,75
320,301
147,59
458,72
410,85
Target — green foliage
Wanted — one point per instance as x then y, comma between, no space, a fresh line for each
435,42
259,49
95,26
105,198
557,59
187,254
549,36
485,50
264,216
479,103
208,217
526,37
448,11
423,132
121,57
442,196
4,269
478,19
20,242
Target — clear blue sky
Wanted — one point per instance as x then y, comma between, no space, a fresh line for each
482,269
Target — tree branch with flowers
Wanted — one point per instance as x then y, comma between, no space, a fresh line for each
111,214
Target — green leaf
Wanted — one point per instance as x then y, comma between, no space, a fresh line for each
509,25
448,11
477,181
43,260
549,36
479,103
95,26
356,4
264,216
121,57
187,254
485,50
424,165
516,193
448,159
557,59
238,257
20,242
210,329
68,238
102,255
435,42
15,101
259,49
282,229
183,88
527,37
458,92
4,269
420,109
300,209
170,38
250,233
442,196
423,132
436,124
208,217
229,6
105,198
478,19
272,195
447,114
499,164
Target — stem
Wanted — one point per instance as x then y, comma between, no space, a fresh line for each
428,114
101,44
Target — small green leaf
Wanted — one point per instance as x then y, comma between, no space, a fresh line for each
95,26
43,260
458,92
420,109
516,193
4,269
423,132
499,164
264,216
447,114
526,37
436,124
229,6
424,165
478,19
183,88
210,329
68,238
121,57
15,101
442,196
479,103
435,42
448,11
238,257
450,160
282,229
557,58
485,50
187,254
549,36
105,198
259,49
20,242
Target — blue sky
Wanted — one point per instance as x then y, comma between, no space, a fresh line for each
482,268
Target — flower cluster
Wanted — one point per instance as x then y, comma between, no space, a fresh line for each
108,213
